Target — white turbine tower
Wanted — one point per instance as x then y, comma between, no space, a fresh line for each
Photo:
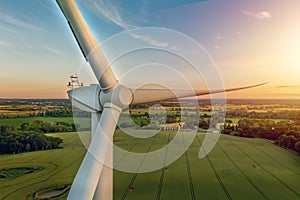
94,180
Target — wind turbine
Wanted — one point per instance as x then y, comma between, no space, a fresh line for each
94,179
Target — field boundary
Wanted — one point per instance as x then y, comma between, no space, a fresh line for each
125,154
188,168
277,161
161,179
53,173
215,172
280,181
245,176
136,174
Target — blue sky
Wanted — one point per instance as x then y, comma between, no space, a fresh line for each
250,41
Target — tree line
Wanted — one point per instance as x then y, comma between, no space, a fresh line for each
286,114
19,142
46,127
284,133
31,136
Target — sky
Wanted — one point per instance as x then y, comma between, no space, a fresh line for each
250,42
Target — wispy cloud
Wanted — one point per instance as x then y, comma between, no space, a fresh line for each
7,29
112,13
108,11
174,48
281,95
259,15
287,86
11,48
218,37
241,65
6,44
41,3
52,50
150,40
18,52
19,23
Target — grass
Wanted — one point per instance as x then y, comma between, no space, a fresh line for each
12,173
18,121
59,165
237,168
236,120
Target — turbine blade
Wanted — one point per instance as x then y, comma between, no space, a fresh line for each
100,150
153,95
88,44
105,186
200,93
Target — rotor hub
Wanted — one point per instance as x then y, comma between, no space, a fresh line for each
119,98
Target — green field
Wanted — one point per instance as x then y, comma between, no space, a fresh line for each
16,122
237,168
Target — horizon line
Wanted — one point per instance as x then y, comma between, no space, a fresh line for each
58,98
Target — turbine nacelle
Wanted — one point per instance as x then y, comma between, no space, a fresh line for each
93,99
86,98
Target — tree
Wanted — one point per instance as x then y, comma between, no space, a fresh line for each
25,126
297,146
18,142
27,147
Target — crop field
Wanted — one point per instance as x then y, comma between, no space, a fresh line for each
18,121
237,168
59,165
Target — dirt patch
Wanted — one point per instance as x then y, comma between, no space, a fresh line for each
12,173
52,192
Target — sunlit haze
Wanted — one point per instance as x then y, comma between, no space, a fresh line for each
251,42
